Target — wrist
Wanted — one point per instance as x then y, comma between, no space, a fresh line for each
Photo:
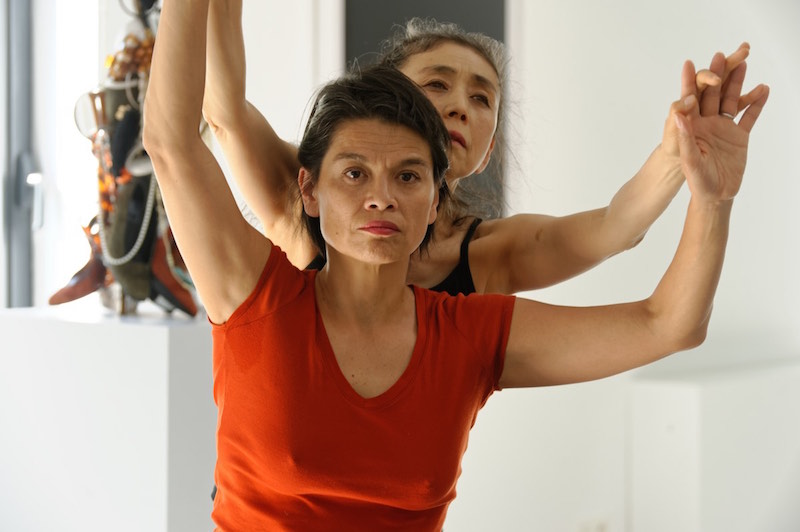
666,166
711,207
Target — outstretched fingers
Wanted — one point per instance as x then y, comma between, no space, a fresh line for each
731,91
736,58
704,79
707,77
753,102
690,80
709,99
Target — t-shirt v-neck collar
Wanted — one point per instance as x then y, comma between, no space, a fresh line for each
395,390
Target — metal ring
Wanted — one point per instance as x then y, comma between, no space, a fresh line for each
727,115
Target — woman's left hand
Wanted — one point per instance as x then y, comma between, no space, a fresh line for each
713,146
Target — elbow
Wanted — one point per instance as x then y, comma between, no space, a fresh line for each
154,144
696,337
149,141
635,241
165,138
679,329
153,130
223,114
212,116
690,336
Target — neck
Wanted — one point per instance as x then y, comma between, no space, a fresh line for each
351,289
443,228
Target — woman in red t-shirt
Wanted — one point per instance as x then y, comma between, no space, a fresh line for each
346,396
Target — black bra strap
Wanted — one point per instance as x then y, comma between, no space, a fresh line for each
317,264
468,239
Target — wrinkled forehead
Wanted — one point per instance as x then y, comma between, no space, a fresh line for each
377,138
453,57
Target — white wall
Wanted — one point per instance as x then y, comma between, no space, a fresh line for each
594,82
292,48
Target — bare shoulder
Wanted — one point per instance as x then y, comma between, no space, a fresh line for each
507,229
494,245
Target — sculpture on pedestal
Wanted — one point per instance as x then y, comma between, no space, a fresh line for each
133,254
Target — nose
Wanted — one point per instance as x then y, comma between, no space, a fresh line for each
455,106
458,114
380,195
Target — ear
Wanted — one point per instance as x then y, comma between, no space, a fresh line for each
308,193
488,157
434,206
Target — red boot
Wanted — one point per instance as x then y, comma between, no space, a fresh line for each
165,289
88,279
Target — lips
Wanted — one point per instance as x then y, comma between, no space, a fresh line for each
457,137
380,227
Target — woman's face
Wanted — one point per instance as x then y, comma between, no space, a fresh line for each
465,89
375,195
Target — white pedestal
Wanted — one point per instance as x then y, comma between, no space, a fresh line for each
106,423
717,451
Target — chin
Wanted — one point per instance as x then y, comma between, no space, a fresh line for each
379,257
376,254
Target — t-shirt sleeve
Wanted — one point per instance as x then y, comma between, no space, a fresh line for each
280,283
485,321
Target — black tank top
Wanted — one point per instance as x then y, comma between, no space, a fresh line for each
460,279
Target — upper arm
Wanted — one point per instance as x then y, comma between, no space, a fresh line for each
265,168
223,252
550,345
532,251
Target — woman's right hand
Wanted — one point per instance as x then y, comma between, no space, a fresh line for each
714,78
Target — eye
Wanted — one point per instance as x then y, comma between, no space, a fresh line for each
435,85
408,177
354,174
483,99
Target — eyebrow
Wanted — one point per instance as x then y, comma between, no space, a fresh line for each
355,156
444,69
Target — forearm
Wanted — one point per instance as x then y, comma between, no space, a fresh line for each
175,91
551,345
639,203
682,302
558,248
264,167
224,101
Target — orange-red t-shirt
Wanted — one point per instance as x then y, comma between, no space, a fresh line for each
299,449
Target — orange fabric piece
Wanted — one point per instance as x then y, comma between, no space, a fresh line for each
299,449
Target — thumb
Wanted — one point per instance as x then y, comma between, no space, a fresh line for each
689,152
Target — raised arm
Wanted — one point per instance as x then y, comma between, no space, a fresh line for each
263,165
224,253
556,345
562,247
